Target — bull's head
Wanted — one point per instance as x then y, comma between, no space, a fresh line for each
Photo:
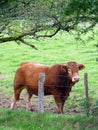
72,70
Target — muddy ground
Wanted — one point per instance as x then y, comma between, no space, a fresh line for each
49,104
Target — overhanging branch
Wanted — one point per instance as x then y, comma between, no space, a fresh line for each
50,35
19,38
7,39
26,43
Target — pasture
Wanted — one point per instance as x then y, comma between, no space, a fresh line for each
59,49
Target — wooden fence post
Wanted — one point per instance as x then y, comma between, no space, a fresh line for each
86,93
41,93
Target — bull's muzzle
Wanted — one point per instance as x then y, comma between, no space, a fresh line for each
75,79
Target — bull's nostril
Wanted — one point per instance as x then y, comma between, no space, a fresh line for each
76,79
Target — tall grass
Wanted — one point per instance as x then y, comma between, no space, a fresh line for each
22,120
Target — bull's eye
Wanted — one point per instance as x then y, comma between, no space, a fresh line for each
69,71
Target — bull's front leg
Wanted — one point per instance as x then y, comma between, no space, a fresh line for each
60,100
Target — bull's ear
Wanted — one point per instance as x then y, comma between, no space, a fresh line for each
64,67
81,67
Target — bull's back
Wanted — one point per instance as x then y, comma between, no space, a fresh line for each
28,74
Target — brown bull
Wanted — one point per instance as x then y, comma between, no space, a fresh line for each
58,81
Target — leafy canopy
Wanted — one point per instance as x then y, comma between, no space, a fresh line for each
33,18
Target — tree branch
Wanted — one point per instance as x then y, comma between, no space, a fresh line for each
51,35
7,39
19,38
24,42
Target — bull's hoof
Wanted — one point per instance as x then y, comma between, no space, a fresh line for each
60,112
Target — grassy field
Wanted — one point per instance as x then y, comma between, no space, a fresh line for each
60,49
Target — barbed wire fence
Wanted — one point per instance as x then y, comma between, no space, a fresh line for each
83,102
88,109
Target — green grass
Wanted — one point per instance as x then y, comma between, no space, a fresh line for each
23,120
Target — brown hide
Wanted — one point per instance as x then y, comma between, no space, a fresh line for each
58,81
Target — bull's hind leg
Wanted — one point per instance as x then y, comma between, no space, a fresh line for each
16,97
13,103
28,99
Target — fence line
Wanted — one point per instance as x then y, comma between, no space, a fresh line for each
41,91
55,75
52,75
86,95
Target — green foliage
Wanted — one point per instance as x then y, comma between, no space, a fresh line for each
19,16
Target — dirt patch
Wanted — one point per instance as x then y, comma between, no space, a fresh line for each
49,104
